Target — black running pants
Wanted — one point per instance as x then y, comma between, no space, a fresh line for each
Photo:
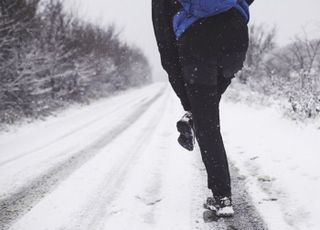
204,101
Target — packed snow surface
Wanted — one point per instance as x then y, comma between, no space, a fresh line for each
279,156
116,163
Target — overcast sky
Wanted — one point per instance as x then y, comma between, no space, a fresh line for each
133,18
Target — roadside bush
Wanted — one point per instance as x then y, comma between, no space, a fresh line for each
288,76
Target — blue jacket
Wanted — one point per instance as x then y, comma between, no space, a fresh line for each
193,10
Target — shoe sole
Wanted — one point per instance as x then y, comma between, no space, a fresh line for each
222,215
186,133
184,128
186,142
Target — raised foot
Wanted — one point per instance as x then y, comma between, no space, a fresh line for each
184,127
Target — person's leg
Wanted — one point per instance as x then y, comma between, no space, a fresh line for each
162,14
205,112
223,84
179,88
210,51
199,61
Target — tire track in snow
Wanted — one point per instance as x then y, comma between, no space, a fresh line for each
29,167
68,134
246,215
99,208
152,194
23,200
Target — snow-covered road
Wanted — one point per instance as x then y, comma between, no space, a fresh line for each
113,165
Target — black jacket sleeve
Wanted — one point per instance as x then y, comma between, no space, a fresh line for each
162,15
249,2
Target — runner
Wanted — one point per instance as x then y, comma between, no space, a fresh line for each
202,44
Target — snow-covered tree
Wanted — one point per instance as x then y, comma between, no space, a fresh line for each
49,58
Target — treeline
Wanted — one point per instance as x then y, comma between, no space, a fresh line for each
290,74
49,59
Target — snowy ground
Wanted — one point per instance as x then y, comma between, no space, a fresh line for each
279,157
116,163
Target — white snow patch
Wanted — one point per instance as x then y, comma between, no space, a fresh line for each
280,159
